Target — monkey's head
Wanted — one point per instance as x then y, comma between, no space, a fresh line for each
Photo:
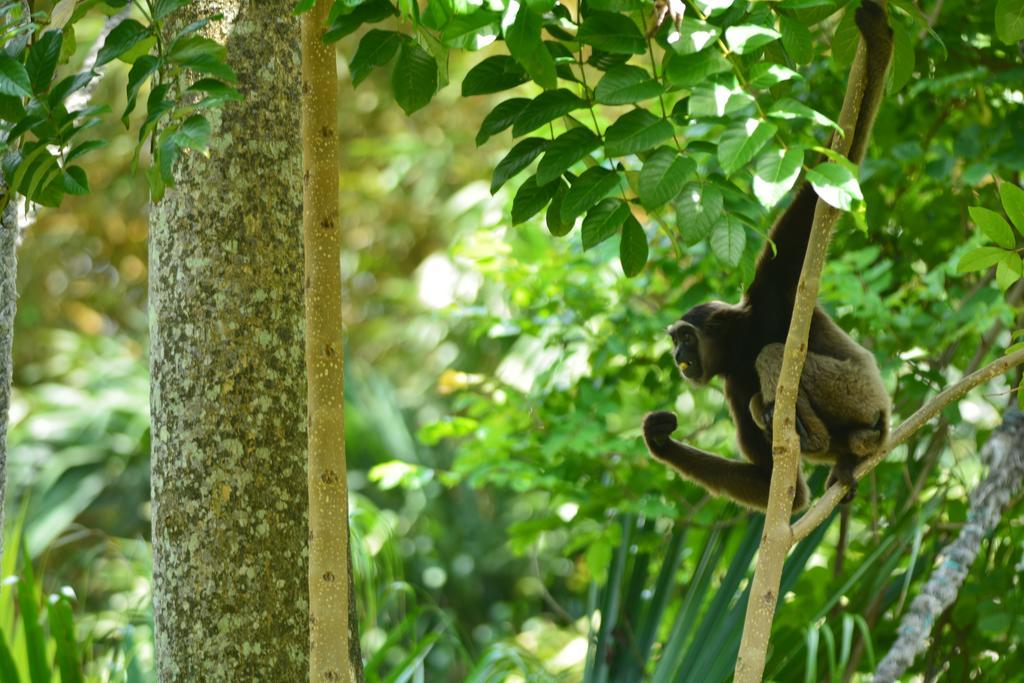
697,348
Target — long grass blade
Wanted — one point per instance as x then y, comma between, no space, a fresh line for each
35,644
62,628
612,598
8,669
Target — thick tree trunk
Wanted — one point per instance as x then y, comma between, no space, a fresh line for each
8,305
228,388
334,651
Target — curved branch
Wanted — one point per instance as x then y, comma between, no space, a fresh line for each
828,501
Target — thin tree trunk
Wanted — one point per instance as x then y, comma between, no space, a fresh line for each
8,305
334,651
228,388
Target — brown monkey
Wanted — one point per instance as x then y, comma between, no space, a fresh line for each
842,407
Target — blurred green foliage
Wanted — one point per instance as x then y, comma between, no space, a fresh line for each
496,382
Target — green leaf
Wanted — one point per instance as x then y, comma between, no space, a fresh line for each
124,37
414,79
788,109
564,151
739,145
632,247
685,71
626,84
62,629
42,59
663,176
1012,198
1010,20
694,36
162,8
553,217
531,198
636,131
75,180
8,669
835,184
494,74
194,133
525,45
544,108
698,209
518,158
203,55
369,12
764,75
1008,270
500,118
748,37
143,68
718,100
615,33
12,110
377,48
68,85
14,80
797,40
903,58
845,39
728,241
979,258
588,189
216,92
993,226
473,31
35,641
775,174
83,148
603,221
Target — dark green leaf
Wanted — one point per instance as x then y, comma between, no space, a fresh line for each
531,198
632,247
216,92
686,71
553,217
75,180
83,148
788,109
162,8
993,226
143,68
518,158
524,43
564,151
979,258
500,118
698,209
845,39
369,12
124,37
626,84
545,108
739,145
728,240
592,186
11,109
605,61
835,184
8,669
471,31
636,131
612,33
42,59
494,74
68,85
14,79
903,59
1012,198
35,643
1010,20
377,48
303,6
194,133
663,176
797,40
603,221
718,100
414,79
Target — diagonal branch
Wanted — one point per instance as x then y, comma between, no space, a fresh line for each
828,501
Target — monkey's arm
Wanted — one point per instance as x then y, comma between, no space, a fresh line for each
743,482
779,273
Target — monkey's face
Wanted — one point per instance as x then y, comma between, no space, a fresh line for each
686,340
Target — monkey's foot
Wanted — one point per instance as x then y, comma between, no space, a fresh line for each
844,475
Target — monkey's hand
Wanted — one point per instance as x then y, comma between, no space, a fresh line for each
658,427
843,473
768,418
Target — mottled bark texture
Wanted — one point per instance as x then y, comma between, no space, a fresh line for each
8,305
334,653
1004,456
228,386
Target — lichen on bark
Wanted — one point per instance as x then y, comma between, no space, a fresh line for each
228,389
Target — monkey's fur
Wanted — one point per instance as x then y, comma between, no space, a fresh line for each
842,407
